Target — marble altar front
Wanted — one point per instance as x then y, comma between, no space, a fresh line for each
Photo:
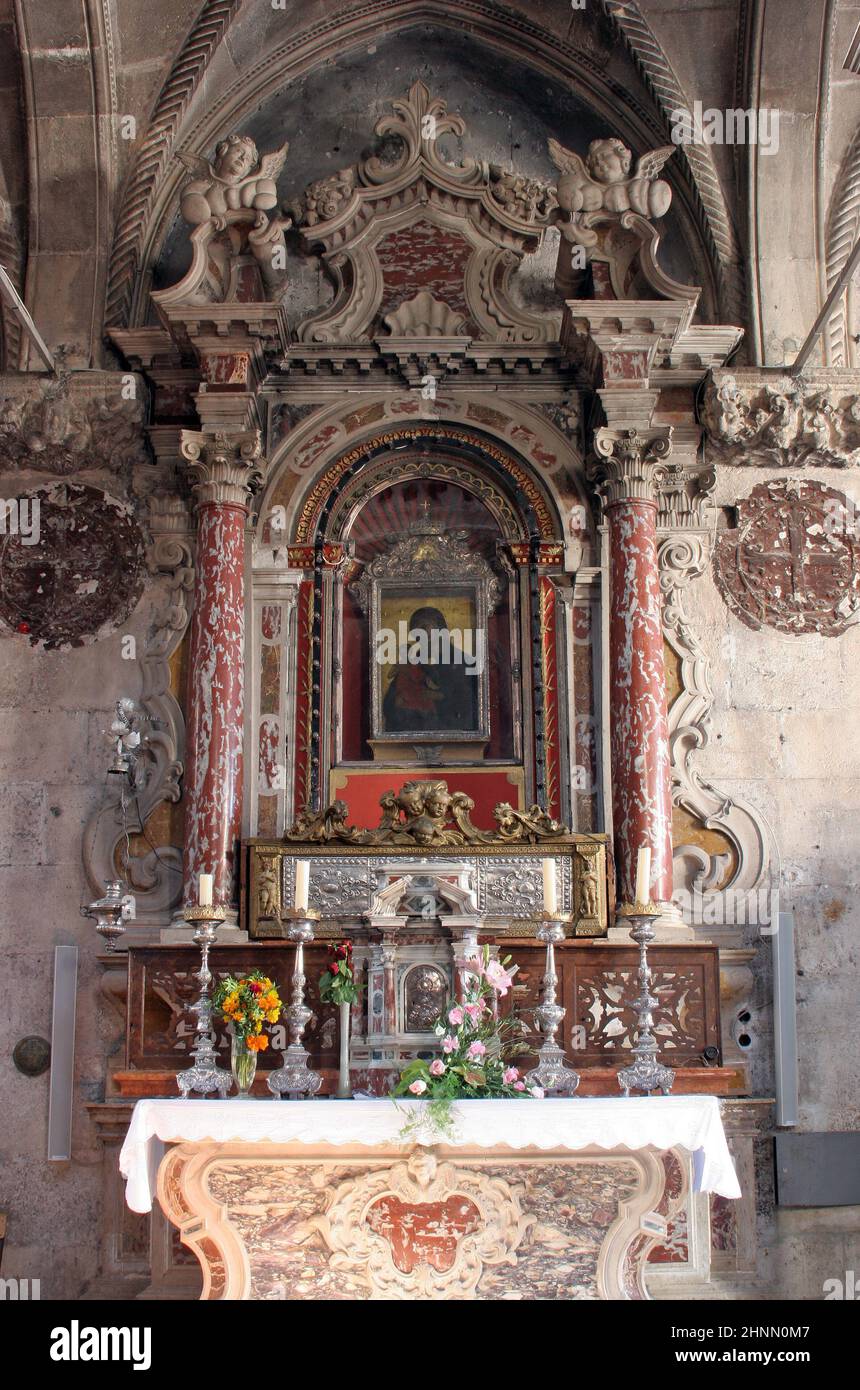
549,1199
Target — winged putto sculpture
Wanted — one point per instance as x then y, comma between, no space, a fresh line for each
224,192
238,178
603,182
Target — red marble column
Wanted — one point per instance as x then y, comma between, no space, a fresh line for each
224,471
639,732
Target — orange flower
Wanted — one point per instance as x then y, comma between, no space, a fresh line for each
258,1043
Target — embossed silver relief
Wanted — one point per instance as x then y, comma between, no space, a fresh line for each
507,888
425,991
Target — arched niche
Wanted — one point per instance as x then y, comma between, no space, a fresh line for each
312,735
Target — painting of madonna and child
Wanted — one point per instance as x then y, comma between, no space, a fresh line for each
430,658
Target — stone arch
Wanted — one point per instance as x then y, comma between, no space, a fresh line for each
843,224
514,442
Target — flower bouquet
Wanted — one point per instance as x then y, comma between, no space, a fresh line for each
337,982
476,1046
337,986
246,1003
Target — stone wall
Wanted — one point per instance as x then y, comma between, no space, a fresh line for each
54,710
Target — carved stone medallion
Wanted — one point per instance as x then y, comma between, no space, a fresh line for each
83,573
793,562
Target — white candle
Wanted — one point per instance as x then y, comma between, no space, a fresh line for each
550,897
303,874
643,875
204,890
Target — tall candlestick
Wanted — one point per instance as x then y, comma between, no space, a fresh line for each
204,890
643,875
303,874
550,897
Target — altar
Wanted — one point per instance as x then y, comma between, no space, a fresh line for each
370,1199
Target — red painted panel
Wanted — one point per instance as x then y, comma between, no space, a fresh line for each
361,790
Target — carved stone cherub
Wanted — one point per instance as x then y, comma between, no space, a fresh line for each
602,182
239,179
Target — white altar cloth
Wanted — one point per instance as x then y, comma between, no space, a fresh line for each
617,1122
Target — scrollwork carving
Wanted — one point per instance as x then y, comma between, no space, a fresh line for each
683,559
155,876
421,1229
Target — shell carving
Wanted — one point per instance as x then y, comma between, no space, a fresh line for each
424,317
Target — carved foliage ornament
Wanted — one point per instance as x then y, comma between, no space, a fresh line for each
421,813
793,563
782,421
223,468
629,464
71,424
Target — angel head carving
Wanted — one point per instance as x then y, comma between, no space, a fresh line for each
603,182
608,160
235,157
234,195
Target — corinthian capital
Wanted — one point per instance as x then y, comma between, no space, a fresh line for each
630,463
224,468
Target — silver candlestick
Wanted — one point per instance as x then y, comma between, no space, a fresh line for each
647,1073
205,1075
552,1072
295,1077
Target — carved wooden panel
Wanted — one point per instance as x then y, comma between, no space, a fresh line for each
162,986
597,985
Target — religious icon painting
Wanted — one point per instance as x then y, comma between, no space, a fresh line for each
429,601
430,657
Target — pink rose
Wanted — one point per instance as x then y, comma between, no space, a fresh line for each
418,1088
476,1049
455,1016
475,1010
509,1075
437,1067
496,975
519,1085
448,1043
537,1092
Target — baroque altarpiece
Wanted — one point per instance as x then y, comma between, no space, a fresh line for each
487,431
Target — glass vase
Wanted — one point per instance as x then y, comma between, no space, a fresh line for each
243,1064
344,1089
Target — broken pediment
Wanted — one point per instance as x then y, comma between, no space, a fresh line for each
417,246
